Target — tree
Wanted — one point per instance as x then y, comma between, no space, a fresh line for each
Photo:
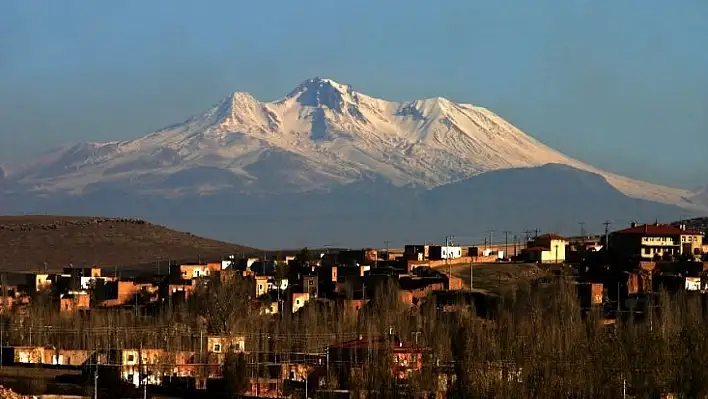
304,255
222,303
235,374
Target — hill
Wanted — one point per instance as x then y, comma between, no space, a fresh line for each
27,242
695,224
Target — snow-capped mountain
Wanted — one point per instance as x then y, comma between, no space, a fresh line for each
321,135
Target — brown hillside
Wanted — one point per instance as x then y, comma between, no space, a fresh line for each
27,242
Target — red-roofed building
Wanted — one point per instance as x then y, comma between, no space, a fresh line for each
651,240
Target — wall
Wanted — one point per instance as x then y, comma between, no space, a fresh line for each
465,260
74,302
260,286
299,300
27,355
227,344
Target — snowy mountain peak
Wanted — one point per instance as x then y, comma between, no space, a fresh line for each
322,92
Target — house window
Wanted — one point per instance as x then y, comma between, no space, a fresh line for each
260,287
131,358
647,251
297,302
196,273
217,348
310,282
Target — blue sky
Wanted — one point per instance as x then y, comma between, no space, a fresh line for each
619,84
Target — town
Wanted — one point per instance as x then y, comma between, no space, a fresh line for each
339,322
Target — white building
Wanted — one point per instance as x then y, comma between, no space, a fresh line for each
548,248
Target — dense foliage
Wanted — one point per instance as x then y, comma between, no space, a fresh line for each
538,345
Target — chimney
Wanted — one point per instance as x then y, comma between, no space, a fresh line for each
633,224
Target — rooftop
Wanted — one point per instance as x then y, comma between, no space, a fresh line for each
658,230
551,236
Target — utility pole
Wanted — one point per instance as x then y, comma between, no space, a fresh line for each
201,340
582,229
528,235
607,234
536,231
618,300
471,276
516,242
506,243
448,243
556,254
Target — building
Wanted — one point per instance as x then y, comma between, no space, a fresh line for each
547,248
189,271
135,366
358,257
39,281
650,241
415,252
225,344
260,286
74,301
438,252
352,358
299,299
45,355
117,293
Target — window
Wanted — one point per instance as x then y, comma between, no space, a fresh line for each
131,358
647,251
217,348
260,287
297,302
310,282
196,273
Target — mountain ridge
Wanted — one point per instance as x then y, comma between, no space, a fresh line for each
321,134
